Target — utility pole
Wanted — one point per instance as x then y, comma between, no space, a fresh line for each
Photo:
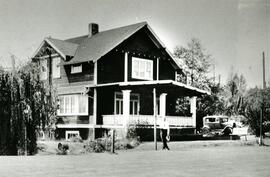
262,106
155,117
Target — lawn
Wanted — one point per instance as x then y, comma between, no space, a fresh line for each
210,161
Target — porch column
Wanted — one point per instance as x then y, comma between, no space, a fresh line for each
126,68
126,102
162,104
192,101
94,112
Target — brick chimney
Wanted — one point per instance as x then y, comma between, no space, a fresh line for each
93,29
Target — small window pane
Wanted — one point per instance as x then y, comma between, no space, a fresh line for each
136,111
82,104
61,104
76,69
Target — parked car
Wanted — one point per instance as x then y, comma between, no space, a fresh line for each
217,125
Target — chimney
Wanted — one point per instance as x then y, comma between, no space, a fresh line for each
93,29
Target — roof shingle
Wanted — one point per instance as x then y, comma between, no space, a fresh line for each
94,47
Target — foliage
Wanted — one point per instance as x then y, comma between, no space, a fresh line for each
197,61
26,104
210,104
233,94
255,100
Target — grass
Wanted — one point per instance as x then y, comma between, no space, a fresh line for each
189,159
212,161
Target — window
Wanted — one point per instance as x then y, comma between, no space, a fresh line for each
43,69
76,69
142,68
56,67
70,134
133,105
73,105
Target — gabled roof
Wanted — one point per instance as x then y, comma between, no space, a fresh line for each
63,48
85,49
67,48
94,47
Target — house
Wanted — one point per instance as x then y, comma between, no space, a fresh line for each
113,79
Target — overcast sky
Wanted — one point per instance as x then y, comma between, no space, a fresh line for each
235,32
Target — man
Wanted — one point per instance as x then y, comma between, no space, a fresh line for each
165,133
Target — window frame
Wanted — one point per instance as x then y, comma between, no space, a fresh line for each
72,132
67,105
145,63
120,111
73,70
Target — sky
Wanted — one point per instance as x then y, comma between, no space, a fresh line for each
234,32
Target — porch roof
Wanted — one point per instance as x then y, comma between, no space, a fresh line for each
163,84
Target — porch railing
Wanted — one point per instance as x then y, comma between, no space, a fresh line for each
146,120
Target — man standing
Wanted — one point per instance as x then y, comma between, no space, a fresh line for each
165,133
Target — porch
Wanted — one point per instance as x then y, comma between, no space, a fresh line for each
147,120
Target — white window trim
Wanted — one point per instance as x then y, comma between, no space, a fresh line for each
134,100
141,60
73,132
73,71
76,113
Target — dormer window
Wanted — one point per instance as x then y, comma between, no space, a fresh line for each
76,69
142,68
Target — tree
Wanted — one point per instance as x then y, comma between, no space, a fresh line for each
25,106
197,62
255,100
233,94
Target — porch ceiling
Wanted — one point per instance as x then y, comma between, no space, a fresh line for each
167,86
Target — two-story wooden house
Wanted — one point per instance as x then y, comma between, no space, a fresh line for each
108,79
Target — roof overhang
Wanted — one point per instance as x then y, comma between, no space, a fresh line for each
164,84
46,40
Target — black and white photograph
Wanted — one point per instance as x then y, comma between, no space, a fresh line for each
138,88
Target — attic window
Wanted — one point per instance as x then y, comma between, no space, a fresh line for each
76,69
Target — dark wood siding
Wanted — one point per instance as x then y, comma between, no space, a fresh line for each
111,68
67,79
105,102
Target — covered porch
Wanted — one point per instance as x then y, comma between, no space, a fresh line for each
143,102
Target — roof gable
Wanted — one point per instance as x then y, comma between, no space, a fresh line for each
93,48
63,48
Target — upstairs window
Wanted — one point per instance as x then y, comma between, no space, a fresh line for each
43,69
56,67
142,69
76,69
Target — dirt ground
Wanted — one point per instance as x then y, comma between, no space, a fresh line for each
209,159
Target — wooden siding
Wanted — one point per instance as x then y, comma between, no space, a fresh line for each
111,66
67,79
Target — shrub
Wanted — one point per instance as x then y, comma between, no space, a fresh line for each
76,139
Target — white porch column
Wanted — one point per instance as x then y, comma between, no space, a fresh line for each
95,72
192,101
162,104
126,102
126,67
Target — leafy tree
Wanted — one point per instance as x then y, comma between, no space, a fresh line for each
25,106
234,92
255,100
197,62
